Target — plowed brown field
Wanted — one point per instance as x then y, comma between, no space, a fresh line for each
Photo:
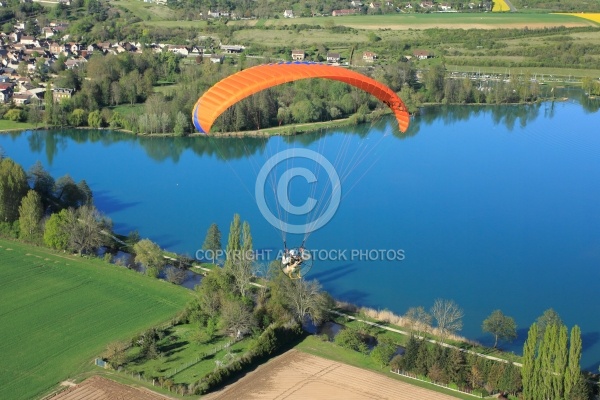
300,376
98,388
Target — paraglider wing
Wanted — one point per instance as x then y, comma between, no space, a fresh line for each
238,86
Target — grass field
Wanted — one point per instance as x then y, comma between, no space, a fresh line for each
179,349
59,311
443,20
6,125
146,11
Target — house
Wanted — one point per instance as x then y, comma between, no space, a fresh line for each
70,64
47,32
288,14
333,57
21,98
298,55
374,5
6,92
181,50
341,13
369,56
4,79
232,48
27,40
217,58
445,7
15,36
356,4
61,93
422,54
427,4
75,48
56,48
196,50
104,46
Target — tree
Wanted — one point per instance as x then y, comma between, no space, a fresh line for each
182,124
13,186
56,230
30,215
573,371
418,318
95,119
116,354
528,372
384,351
70,194
78,117
150,255
175,275
448,317
305,299
48,105
549,317
88,229
233,248
236,319
501,326
15,115
42,182
350,338
212,242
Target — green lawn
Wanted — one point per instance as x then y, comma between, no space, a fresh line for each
146,11
445,20
59,311
6,125
178,350
126,109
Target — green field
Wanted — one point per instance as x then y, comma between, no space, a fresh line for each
146,11
181,360
6,125
442,20
59,311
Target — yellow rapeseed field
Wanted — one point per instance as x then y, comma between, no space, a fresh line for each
591,16
500,5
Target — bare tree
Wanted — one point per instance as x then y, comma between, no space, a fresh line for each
242,272
306,299
236,319
419,319
87,227
448,316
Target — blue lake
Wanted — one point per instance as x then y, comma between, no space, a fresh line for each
495,208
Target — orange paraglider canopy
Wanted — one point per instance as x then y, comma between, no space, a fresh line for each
238,86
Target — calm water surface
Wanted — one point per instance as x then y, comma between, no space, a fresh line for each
496,208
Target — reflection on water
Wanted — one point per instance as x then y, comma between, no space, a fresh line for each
171,148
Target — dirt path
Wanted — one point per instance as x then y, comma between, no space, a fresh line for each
298,376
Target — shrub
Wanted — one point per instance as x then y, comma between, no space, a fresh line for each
15,115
